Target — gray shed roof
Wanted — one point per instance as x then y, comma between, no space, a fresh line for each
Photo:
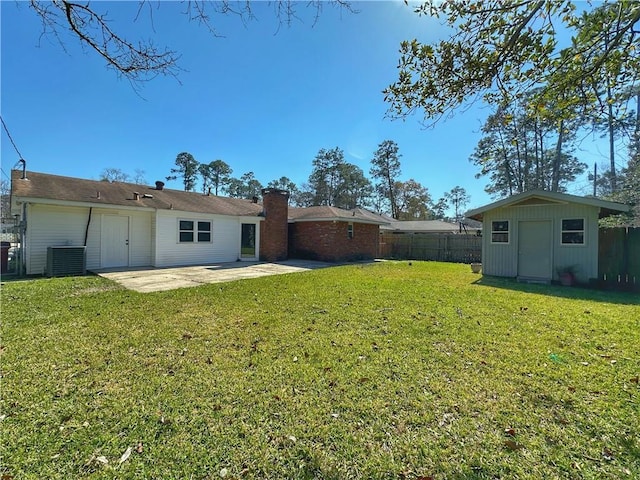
45,187
542,197
426,226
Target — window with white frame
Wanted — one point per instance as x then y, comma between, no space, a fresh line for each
194,231
350,230
572,231
500,231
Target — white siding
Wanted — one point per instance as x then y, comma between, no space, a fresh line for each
49,225
502,259
224,245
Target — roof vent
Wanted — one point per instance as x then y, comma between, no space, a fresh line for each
147,195
159,185
136,196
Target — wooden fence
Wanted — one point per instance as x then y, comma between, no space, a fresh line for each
619,258
440,247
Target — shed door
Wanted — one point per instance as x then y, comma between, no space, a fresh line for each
115,241
535,249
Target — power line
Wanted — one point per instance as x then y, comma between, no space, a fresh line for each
9,135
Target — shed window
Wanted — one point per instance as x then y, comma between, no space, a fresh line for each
500,231
350,230
573,231
191,231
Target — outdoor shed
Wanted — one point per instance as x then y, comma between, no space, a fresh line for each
536,234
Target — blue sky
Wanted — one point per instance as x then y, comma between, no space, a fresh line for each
261,98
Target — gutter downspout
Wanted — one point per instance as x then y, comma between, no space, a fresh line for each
23,241
86,232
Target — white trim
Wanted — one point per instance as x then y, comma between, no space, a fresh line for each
195,230
71,203
584,233
554,196
508,232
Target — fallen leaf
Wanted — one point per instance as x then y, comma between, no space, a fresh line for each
224,472
510,431
635,379
511,445
102,459
607,454
125,456
586,364
571,389
292,438
335,415
140,448
187,336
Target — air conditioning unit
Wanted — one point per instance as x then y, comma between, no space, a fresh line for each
66,260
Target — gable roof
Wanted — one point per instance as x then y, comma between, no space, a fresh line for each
46,188
542,197
325,213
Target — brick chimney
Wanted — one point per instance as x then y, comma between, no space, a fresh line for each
274,229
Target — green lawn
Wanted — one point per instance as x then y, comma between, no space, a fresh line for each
388,370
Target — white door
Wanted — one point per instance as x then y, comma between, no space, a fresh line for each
534,250
115,241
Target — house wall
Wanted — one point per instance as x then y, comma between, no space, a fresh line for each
502,259
328,241
49,225
224,245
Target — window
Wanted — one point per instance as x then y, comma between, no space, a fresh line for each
194,231
350,230
204,231
573,231
500,231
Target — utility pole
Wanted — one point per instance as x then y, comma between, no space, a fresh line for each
595,178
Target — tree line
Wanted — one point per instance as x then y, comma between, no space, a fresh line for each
333,182
547,97
544,95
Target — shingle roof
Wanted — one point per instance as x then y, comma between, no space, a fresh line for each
325,213
422,226
53,187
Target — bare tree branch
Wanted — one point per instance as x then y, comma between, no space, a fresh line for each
142,60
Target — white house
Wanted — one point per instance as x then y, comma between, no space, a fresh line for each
535,234
128,225
118,225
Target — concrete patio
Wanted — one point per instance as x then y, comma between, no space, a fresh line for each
151,279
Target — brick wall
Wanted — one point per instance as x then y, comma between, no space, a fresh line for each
328,241
274,229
